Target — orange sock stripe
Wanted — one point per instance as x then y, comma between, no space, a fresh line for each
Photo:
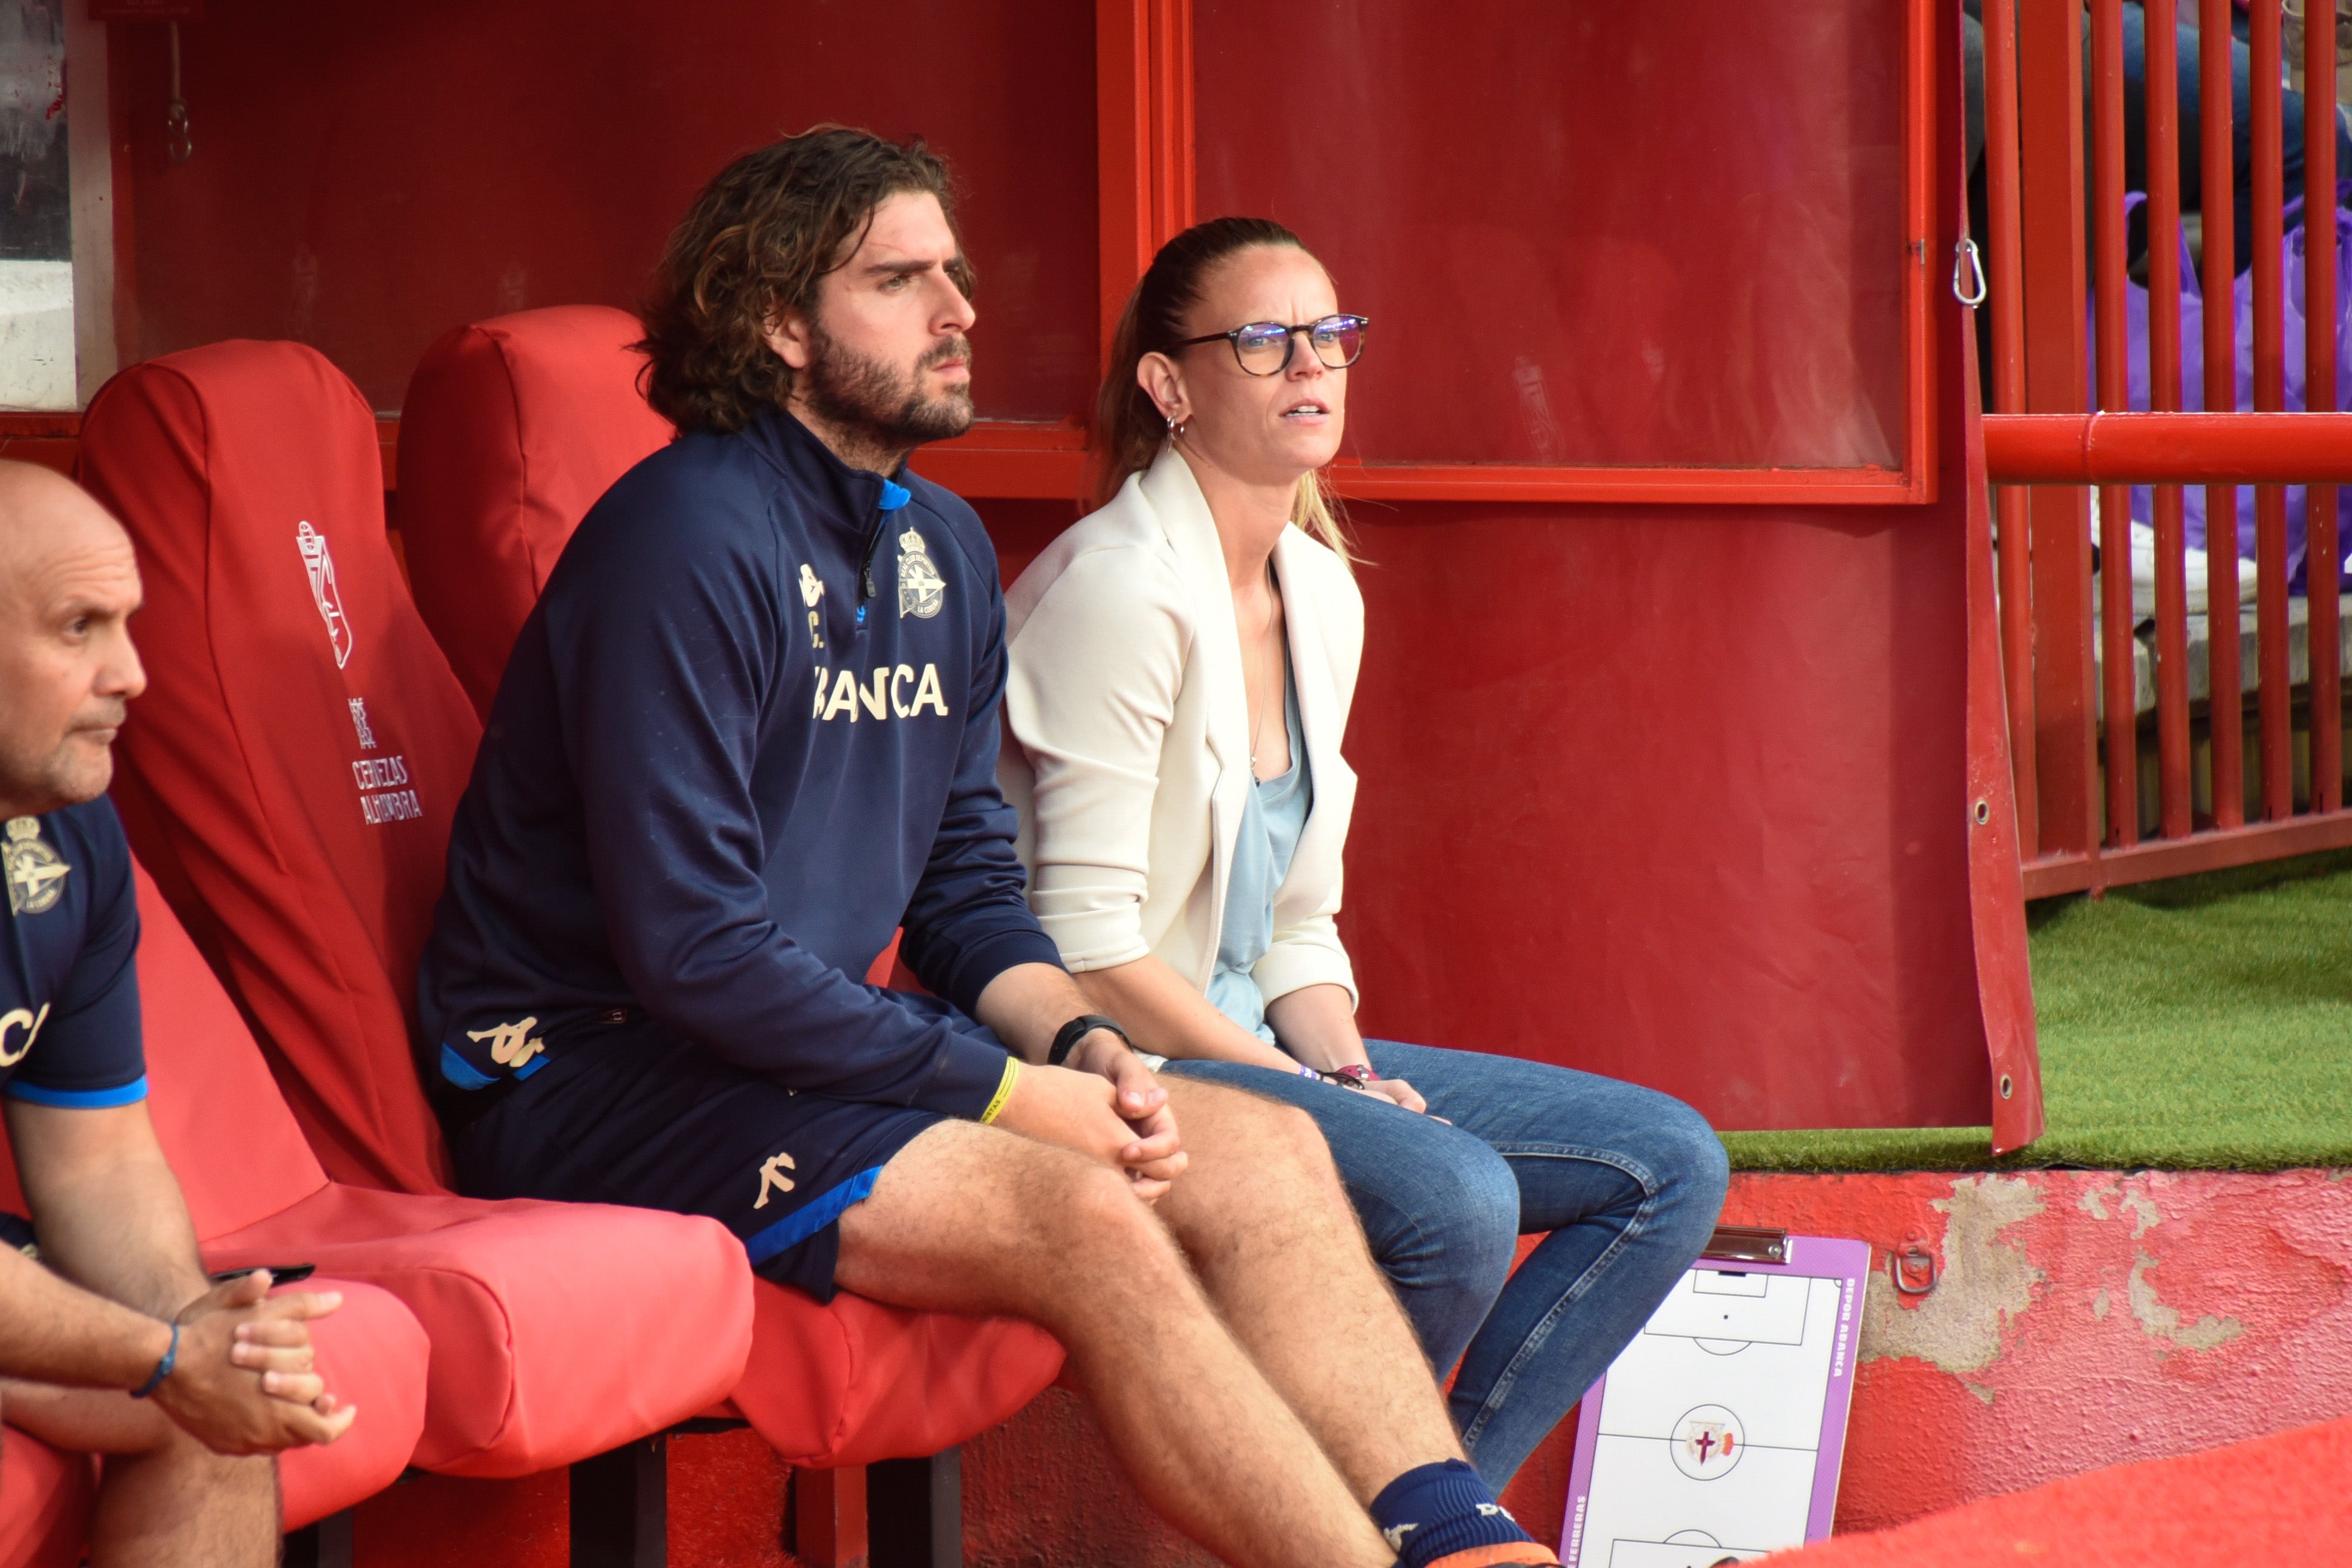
1485,1557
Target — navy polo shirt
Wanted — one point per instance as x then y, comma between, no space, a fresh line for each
70,983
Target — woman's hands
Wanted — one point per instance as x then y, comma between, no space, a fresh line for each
1398,1092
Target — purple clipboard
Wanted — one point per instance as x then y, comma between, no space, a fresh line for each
1787,1338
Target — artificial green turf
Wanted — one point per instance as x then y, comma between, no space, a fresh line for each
2203,1023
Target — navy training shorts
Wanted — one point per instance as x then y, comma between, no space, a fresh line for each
633,1113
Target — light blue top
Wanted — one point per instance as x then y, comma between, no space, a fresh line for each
1273,816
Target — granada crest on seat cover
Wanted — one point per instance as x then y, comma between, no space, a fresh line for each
320,565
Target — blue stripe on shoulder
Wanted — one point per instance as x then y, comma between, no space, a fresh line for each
129,1093
810,1217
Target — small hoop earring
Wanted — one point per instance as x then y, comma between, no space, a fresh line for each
1175,427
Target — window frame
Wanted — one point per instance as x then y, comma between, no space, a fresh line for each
1144,105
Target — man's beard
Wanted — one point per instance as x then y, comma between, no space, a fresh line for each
873,403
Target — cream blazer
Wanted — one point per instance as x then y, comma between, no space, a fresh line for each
1128,756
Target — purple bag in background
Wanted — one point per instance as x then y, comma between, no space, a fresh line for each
2192,372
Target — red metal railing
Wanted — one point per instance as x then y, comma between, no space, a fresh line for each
2106,794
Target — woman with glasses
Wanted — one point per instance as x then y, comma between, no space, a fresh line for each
1182,663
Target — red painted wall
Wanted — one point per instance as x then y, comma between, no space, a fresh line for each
366,177
1671,793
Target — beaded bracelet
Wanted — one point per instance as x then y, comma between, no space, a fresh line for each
162,1368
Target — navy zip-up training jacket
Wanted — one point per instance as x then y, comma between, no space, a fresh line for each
718,774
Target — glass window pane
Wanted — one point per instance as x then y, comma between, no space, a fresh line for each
1586,233
36,320
366,177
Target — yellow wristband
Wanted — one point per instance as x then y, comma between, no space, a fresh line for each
1003,1090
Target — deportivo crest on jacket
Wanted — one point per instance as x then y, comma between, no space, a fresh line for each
921,591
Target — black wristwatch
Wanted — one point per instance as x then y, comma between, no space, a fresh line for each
1077,1029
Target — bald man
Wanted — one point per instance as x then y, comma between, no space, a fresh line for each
114,1343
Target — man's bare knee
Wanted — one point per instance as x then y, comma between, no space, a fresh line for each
1273,1143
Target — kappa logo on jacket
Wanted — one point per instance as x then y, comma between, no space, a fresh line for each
320,565
839,692
510,1044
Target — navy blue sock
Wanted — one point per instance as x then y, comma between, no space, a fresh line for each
1436,1511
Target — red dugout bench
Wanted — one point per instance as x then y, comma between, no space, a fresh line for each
290,777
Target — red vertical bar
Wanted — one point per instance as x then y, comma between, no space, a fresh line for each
829,1517
2008,304
2050,182
2270,396
2164,394
1123,160
1171,49
1921,189
125,303
2119,705
2215,160
2321,555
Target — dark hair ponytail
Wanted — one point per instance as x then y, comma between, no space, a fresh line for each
1128,429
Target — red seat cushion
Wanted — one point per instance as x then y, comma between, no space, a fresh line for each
512,430
858,1381
44,1500
372,1352
523,1301
296,760
559,1330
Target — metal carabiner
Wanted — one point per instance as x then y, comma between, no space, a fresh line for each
179,144
1967,259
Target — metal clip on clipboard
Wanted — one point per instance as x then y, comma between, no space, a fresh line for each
1748,1243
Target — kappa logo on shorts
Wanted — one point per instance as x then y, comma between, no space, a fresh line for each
36,873
320,565
921,589
509,1044
773,1180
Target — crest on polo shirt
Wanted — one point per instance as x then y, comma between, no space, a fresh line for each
35,872
922,590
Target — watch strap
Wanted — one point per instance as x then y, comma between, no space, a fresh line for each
1078,1028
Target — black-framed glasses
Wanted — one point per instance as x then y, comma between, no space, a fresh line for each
1263,348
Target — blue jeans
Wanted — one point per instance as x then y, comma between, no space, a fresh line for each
1628,1182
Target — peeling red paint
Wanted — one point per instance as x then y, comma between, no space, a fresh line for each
2081,1379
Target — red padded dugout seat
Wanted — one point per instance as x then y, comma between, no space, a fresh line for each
512,428
211,456
289,776
206,1080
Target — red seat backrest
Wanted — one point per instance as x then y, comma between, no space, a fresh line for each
512,430
291,771
221,1122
